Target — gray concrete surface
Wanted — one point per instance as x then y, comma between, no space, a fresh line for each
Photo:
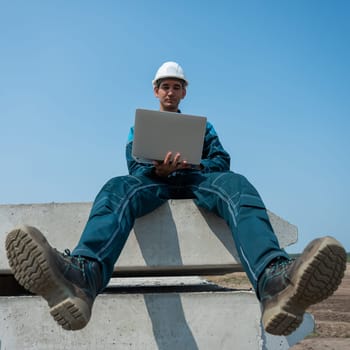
152,321
181,234
163,321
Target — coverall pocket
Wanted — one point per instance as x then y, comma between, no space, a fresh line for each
248,200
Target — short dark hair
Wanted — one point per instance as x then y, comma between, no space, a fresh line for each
159,81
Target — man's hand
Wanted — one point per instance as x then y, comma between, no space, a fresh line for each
168,166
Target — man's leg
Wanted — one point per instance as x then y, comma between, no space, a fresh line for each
68,282
119,203
233,198
284,287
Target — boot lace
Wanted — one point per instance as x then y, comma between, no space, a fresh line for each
77,261
280,265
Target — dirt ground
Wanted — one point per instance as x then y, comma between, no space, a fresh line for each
332,316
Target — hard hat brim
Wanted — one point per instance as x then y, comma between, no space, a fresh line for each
155,81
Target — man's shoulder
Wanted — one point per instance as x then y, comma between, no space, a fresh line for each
210,128
209,125
131,134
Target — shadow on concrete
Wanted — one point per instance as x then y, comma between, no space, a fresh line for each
170,328
221,230
169,324
165,249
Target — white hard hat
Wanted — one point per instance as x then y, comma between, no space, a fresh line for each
170,70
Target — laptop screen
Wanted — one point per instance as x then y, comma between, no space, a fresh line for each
156,133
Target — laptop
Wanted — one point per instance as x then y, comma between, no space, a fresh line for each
156,133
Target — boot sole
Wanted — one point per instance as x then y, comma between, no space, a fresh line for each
30,258
318,274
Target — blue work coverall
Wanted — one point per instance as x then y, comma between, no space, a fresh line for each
125,198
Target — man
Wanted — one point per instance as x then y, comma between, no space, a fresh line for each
70,281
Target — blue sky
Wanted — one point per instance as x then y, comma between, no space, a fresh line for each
272,76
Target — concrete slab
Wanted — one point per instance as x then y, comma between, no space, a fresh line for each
182,234
168,321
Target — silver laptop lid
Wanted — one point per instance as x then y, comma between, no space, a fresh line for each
156,133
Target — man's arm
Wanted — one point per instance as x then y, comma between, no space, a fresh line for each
161,169
134,167
214,157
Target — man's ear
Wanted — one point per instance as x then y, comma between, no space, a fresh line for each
184,91
155,90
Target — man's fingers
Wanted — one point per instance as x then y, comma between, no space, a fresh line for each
167,158
168,165
177,158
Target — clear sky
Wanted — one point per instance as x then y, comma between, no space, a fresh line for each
273,77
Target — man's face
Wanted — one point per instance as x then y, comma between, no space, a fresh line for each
170,92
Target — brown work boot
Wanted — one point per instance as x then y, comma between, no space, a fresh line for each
68,283
289,287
